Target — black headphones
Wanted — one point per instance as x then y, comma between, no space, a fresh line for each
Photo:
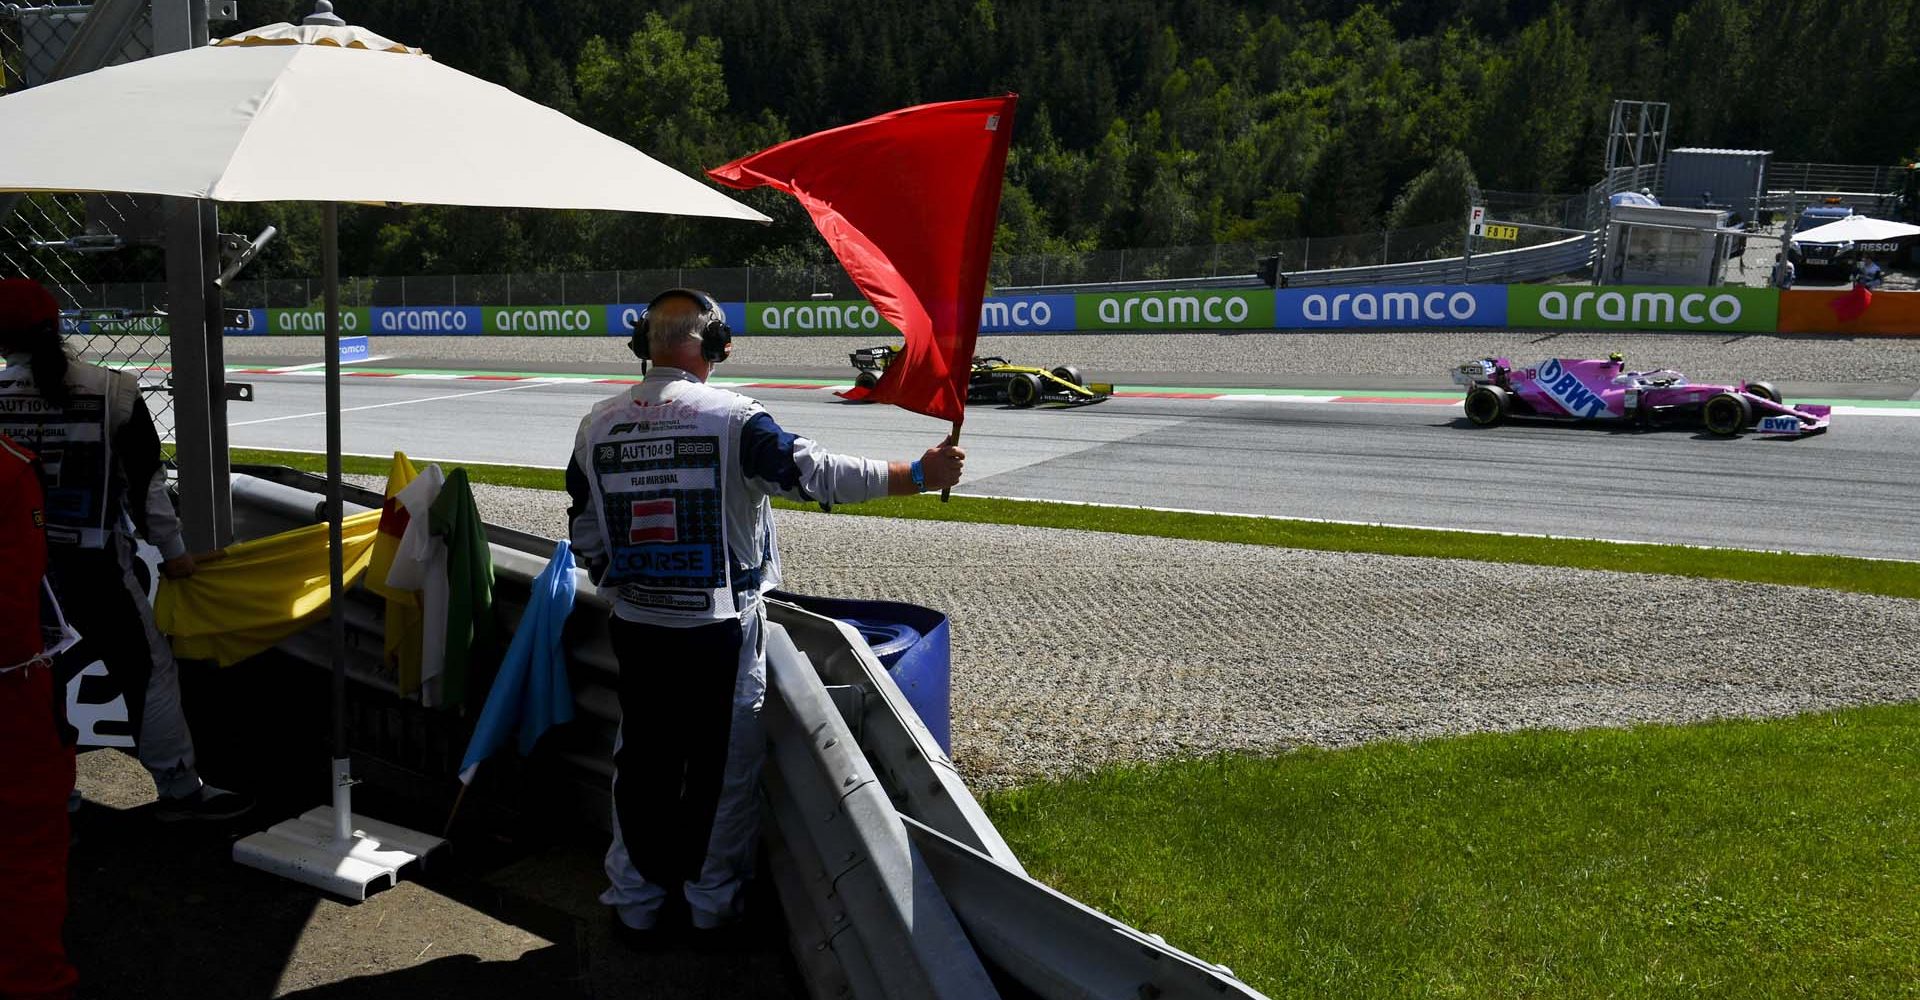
714,337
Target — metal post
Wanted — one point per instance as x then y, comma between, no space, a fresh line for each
336,589
1306,252
195,326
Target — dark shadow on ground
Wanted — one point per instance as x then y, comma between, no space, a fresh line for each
162,911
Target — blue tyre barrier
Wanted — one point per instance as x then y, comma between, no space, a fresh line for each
911,642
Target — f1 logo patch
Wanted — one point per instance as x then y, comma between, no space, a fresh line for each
653,521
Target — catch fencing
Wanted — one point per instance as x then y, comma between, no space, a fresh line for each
46,237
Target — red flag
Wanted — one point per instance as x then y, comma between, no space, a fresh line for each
908,202
1852,304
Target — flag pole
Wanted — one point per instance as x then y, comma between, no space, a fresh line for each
455,811
946,492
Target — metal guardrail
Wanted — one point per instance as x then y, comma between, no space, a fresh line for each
1153,285
854,885
894,882
1535,263
1832,177
1865,202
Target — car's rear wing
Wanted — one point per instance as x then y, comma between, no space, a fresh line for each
1474,372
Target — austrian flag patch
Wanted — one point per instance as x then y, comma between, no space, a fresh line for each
653,521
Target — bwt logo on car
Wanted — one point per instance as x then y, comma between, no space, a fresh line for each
543,320
1641,307
1391,306
1175,309
1565,388
1001,314
821,316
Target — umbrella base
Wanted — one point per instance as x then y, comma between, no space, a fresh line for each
306,849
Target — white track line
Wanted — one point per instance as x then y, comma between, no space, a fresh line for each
378,406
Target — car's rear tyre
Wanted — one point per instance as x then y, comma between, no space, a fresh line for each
1068,373
1764,390
1023,390
866,380
1726,415
1486,405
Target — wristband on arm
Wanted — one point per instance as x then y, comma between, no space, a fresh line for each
918,475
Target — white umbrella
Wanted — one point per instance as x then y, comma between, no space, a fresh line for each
1856,229
327,112
291,113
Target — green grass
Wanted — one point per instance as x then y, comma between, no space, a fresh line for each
1867,576
1737,859
365,465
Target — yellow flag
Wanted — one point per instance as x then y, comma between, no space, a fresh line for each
393,524
259,592
404,616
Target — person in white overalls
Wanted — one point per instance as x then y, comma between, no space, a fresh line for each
101,458
670,483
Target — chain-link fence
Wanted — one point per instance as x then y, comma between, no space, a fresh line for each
1386,246
800,282
48,237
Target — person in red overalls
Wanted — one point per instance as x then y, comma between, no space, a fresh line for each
36,760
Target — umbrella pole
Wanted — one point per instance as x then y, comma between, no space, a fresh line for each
336,618
339,859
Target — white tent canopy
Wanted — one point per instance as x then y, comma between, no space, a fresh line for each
273,115
1856,229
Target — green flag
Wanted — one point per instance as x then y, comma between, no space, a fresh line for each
472,635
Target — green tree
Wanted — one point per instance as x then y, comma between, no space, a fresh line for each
1540,104
1440,194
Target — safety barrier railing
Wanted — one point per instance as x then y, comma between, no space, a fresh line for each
873,832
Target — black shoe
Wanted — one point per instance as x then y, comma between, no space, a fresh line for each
209,804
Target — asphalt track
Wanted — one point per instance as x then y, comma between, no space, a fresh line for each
1852,491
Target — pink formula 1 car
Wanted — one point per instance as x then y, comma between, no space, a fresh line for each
1569,389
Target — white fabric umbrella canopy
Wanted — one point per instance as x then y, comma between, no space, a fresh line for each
268,116
1856,229
332,113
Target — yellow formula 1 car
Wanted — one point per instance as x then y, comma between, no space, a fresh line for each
994,380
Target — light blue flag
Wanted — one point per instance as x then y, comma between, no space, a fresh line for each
531,689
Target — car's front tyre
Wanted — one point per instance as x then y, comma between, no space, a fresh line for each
1726,415
1023,390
